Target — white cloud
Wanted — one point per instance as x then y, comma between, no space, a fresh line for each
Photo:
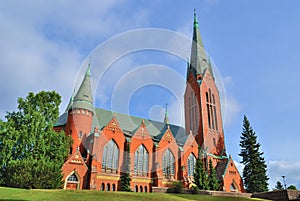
42,43
289,169
277,169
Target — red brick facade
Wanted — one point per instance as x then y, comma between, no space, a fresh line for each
160,153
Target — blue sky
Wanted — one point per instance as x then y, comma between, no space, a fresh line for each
253,43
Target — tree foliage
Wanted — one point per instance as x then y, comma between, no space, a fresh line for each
255,169
213,183
278,186
177,187
292,187
125,176
32,153
200,175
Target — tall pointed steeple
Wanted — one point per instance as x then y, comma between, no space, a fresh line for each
199,60
83,98
166,119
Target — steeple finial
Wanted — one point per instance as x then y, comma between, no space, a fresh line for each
166,119
88,70
196,25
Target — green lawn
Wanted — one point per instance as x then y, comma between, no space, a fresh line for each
22,195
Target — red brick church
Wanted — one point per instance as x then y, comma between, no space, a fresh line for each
160,153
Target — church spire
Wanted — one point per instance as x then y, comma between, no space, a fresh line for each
83,98
166,119
199,60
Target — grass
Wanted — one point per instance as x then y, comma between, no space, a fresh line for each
13,194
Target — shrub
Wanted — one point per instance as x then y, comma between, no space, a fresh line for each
176,187
194,189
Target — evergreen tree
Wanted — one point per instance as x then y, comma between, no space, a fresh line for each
278,186
200,175
31,153
292,187
255,169
125,176
213,183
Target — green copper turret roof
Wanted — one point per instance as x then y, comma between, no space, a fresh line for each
83,98
70,103
199,60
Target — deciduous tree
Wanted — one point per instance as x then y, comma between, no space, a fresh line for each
30,148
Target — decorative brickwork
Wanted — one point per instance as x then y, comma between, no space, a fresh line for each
160,153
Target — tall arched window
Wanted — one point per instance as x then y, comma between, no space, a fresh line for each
141,161
168,164
110,157
193,112
191,162
211,110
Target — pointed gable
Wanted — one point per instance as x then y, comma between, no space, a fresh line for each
76,158
167,135
113,125
77,162
231,177
190,141
141,132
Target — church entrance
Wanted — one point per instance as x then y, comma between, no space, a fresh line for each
72,182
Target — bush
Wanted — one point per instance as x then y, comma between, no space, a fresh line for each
177,187
32,174
194,189
292,187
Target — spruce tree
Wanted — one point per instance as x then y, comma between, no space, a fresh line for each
278,186
255,168
200,175
213,183
125,176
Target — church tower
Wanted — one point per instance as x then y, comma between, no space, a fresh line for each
80,114
201,100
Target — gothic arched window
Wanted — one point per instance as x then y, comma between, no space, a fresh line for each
73,178
193,112
141,161
191,162
168,163
110,157
211,110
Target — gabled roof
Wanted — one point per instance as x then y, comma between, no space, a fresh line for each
129,124
221,168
